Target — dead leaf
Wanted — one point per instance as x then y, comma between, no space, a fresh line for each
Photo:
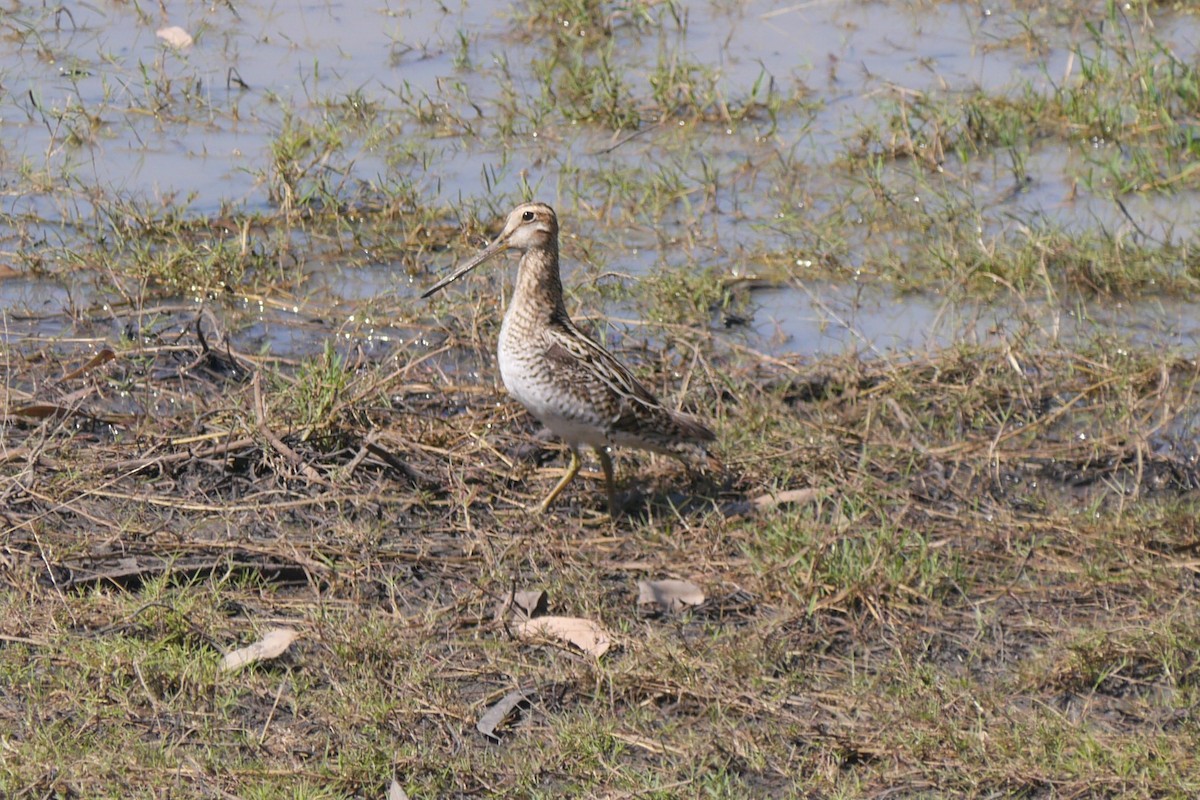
671,595
500,711
103,357
272,645
16,454
396,791
44,411
791,496
175,36
532,602
8,272
526,604
588,636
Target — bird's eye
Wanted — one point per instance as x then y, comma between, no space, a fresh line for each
527,216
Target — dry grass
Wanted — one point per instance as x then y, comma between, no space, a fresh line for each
967,572
995,596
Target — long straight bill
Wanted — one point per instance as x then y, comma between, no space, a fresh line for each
492,249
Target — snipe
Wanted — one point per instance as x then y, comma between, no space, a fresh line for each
578,390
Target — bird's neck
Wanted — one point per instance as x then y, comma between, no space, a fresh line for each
539,287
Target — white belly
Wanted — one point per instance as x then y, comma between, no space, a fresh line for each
574,426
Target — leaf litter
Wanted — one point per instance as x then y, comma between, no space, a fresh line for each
177,483
669,594
273,644
588,636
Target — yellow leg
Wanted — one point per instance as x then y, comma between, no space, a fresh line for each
610,485
572,471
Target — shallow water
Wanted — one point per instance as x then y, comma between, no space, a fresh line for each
94,95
